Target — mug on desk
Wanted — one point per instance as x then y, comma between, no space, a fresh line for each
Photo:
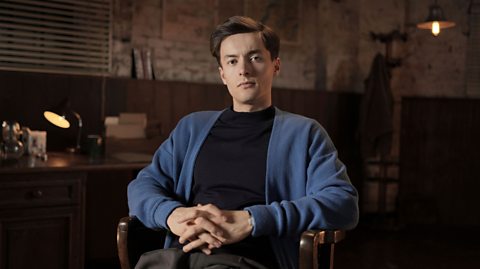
94,146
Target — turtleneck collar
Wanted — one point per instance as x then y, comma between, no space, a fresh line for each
248,117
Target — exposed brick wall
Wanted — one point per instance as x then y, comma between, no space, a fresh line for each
334,53
139,24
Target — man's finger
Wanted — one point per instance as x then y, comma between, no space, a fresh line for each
199,226
210,227
205,242
207,211
213,210
206,250
210,240
189,214
193,245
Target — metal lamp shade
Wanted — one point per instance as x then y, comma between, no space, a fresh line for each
57,115
435,14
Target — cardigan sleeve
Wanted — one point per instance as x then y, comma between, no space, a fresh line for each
151,194
163,185
309,186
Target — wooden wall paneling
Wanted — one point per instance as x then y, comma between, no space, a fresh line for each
14,104
227,98
115,96
322,107
162,108
141,96
346,136
329,117
149,97
217,97
179,102
418,203
439,160
282,99
298,103
211,97
310,104
196,97
346,118
208,97
82,88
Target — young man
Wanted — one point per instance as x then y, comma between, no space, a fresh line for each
250,179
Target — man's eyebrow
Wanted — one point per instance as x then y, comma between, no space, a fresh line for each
230,56
255,51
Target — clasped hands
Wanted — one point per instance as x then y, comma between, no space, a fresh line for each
206,227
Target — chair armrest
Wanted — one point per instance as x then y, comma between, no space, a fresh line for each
122,242
317,248
134,239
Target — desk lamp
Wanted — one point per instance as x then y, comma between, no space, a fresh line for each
57,115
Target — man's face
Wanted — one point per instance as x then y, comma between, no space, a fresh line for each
248,71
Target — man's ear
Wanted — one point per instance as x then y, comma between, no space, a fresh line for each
276,66
222,75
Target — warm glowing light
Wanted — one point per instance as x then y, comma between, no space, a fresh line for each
435,28
56,119
435,20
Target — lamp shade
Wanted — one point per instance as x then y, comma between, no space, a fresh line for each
57,115
435,20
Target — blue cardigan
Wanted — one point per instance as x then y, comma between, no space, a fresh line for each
307,186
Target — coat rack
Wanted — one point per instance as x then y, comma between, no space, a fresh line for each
390,39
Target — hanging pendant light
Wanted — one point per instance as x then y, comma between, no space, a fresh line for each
436,20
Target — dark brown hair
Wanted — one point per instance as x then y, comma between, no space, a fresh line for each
238,25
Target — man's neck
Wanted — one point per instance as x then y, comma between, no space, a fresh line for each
250,108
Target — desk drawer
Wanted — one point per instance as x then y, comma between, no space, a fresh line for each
40,189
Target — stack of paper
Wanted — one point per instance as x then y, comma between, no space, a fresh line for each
126,125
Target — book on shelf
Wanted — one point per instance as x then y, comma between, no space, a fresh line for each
147,63
138,71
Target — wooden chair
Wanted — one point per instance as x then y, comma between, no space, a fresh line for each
134,239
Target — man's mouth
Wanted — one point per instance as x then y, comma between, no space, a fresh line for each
246,84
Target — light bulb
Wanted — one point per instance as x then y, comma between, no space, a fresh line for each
435,28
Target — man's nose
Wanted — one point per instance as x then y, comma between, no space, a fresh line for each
245,68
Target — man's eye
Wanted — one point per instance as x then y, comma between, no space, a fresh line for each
233,61
256,58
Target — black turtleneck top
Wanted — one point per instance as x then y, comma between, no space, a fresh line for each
231,165
230,172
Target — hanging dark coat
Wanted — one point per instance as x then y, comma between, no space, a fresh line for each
376,118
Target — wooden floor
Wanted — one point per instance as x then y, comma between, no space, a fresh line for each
404,248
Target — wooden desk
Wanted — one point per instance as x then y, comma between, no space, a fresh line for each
62,213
